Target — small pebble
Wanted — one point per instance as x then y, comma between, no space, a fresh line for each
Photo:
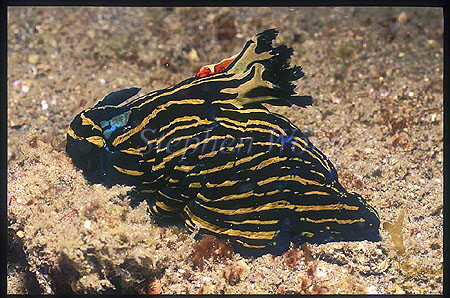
321,273
87,224
376,172
402,17
193,56
53,43
435,246
33,59
372,290
383,266
44,104
90,34
206,278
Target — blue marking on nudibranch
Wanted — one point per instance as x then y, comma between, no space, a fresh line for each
211,115
331,176
293,171
114,123
285,140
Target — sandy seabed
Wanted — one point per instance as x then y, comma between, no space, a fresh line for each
376,75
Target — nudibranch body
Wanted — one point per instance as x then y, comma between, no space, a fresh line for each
207,150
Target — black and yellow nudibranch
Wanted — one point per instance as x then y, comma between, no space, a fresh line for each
208,150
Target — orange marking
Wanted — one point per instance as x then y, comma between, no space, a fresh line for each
211,69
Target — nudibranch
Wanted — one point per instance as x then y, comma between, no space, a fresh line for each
210,153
